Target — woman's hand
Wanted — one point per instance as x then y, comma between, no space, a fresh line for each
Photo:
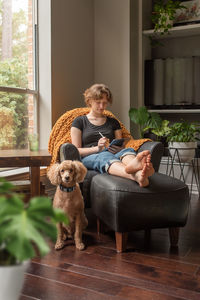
103,143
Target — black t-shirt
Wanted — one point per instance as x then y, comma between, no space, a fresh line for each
90,132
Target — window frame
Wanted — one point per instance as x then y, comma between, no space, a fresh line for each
33,91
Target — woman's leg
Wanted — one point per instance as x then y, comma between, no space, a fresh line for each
118,169
107,162
135,167
100,161
135,163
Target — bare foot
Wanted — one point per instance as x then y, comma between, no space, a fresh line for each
142,176
138,162
150,169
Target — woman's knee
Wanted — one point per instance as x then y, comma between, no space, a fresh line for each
125,152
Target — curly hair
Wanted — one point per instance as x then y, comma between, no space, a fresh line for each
96,92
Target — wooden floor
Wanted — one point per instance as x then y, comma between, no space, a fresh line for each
148,270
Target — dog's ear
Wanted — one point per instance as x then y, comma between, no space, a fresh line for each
80,171
54,174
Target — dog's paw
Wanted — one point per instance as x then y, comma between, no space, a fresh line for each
65,236
80,246
59,245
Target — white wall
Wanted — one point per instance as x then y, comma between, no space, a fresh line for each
112,52
82,42
72,53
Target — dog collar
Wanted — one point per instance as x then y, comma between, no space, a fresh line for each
67,189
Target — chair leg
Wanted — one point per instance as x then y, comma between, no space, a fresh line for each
98,226
174,236
121,241
147,234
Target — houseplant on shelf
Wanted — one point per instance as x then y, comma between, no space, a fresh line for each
183,136
163,15
23,228
145,120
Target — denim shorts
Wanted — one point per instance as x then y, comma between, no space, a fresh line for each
101,161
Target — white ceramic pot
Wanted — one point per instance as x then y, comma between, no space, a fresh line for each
12,279
185,151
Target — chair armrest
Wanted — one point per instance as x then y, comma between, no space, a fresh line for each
69,151
156,149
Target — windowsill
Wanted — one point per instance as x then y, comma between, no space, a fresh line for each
16,171
13,172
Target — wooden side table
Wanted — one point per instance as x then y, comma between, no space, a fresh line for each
26,158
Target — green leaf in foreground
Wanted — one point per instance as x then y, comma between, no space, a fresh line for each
23,229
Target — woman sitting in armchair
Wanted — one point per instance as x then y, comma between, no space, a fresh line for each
93,132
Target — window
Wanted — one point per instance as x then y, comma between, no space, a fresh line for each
18,80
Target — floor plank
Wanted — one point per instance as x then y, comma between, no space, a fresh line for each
43,288
129,270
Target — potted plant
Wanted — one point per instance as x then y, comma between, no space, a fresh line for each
183,136
162,132
23,228
145,120
163,15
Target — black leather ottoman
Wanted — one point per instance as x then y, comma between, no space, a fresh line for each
124,206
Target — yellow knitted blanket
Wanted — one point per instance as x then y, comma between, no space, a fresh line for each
60,133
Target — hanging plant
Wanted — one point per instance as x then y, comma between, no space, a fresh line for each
163,16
